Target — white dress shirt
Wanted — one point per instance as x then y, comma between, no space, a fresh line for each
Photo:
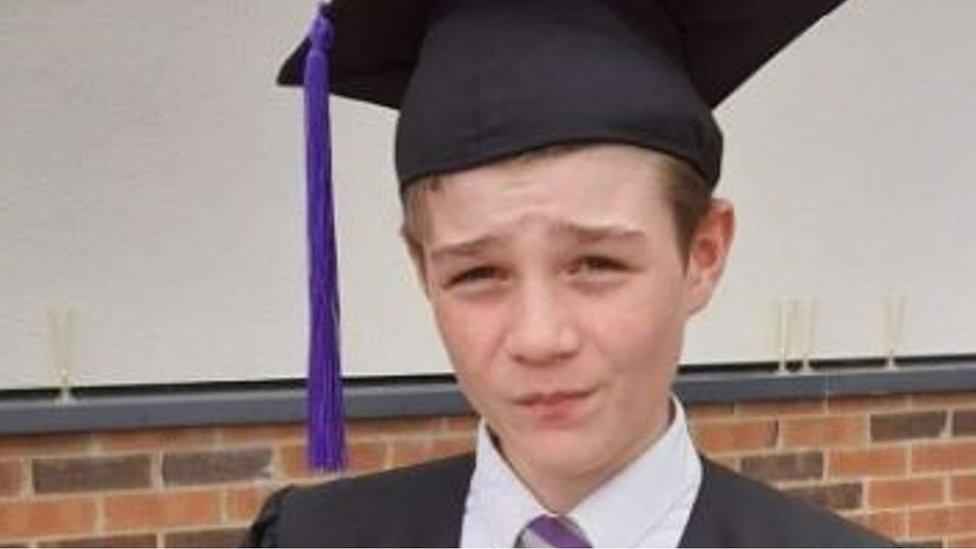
647,504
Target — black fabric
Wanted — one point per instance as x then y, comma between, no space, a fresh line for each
423,506
735,511
499,77
420,506
727,42
479,80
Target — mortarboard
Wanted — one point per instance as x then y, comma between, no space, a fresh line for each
480,80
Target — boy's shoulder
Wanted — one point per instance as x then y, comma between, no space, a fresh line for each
423,505
419,505
733,510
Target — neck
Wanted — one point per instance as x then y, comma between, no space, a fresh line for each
559,493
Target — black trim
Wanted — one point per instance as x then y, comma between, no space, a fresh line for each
281,401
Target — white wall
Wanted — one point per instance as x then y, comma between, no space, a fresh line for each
150,182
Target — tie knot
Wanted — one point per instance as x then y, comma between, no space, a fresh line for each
548,531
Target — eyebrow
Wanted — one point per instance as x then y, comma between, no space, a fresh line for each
590,234
465,249
580,233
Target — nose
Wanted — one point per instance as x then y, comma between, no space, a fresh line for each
543,331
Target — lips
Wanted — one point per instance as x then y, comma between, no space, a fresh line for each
551,398
556,409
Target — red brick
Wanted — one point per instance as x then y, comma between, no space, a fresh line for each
461,423
48,517
243,504
125,540
878,461
903,492
779,467
933,543
43,445
445,447
833,496
293,463
944,400
727,436
365,428
946,456
161,510
963,488
367,457
892,524
155,439
237,434
707,411
731,462
781,408
942,520
90,473
364,457
964,423
408,452
965,541
189,468
11,477
867,403
220,537
824,431
908,425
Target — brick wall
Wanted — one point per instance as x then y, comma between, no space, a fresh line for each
903,465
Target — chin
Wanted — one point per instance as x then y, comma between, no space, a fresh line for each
565,453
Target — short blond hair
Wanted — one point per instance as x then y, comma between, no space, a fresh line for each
687,193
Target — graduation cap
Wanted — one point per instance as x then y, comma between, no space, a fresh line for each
480,80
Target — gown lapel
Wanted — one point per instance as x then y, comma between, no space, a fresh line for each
436,515
703,528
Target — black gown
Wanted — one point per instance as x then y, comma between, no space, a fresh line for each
423,506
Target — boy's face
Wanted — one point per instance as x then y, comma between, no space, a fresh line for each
561,296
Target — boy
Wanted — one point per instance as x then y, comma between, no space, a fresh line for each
556,162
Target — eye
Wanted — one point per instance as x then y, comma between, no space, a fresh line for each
474,275
597,264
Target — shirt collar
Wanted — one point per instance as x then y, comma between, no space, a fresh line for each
622,511
505,500
619,513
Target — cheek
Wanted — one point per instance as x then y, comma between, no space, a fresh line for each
639,341
472,336
639,331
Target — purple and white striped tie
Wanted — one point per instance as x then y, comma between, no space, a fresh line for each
546,531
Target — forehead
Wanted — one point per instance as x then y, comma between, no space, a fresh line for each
598,186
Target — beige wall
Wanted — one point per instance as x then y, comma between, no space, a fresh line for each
150,182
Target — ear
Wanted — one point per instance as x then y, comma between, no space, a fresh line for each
708,251
416,252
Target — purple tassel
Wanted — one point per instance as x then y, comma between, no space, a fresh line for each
327,440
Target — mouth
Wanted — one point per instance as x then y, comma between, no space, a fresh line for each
550,398
555,406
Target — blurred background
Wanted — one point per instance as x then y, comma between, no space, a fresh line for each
152,275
